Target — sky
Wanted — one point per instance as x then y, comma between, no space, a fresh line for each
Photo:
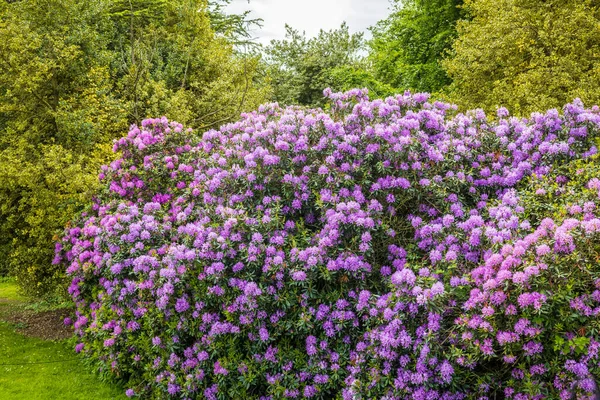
311,15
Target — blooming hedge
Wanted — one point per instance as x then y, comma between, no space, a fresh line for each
386,249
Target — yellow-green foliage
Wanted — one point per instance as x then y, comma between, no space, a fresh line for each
41,187
527,54
56,112
74,75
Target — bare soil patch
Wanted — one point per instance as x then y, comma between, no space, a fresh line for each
47,325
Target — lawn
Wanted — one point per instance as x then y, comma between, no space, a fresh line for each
32,368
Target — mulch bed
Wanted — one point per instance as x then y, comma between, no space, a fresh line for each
47,325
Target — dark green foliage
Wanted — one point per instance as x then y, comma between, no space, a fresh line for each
172,63
407,47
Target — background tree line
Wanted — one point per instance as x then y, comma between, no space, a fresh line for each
526,55
75,74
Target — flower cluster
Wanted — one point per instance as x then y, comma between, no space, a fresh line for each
387,249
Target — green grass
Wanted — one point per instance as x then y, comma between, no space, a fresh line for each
35,369
9,291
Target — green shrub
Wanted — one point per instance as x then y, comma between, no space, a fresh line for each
74,75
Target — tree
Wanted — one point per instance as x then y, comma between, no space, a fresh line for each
73,75
56,111
527,55
407,46
301,68
173,64
235,27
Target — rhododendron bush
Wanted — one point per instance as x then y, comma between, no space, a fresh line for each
384,249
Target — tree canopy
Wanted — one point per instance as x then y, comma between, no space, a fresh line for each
73,75
408,46
300,67
526,55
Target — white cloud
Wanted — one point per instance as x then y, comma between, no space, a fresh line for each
311,15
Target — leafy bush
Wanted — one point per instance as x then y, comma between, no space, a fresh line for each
379,251
41,193
74,76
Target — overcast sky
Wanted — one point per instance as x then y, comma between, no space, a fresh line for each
311,15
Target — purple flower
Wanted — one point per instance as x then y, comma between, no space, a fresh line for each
299,275
219,370
404,276
437,289
446,372
264,334
181,305
310,391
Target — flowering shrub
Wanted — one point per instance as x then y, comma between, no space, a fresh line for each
388,249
